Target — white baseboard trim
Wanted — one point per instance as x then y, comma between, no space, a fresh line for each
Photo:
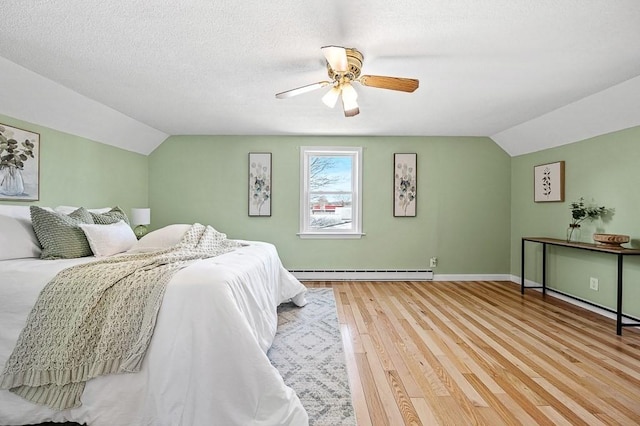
391,275
363,275
587,306
472,277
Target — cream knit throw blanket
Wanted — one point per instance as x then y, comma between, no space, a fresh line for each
97,318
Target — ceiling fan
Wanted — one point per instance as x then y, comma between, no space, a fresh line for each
344,66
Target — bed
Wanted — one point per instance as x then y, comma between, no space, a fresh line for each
206,363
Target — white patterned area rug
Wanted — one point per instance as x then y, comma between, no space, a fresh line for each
308,352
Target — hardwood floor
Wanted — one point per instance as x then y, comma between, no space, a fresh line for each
458,353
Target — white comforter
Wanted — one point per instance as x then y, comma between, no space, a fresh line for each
206,364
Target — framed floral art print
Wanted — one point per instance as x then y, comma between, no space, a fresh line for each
404,185
548,182
19,164
259,184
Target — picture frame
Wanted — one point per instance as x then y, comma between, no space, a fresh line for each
405,184
548,182
19,164
259,184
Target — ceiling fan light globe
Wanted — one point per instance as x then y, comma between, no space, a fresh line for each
349,94
351,112
349,105
331,97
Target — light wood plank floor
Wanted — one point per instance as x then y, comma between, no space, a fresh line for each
459,353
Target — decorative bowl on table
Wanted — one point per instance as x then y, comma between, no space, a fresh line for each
612,240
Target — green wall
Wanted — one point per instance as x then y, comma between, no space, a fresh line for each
604,169
474,201
75,171
462,211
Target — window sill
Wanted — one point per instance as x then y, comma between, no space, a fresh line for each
331,235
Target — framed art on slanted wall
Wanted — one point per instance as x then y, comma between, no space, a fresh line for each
404,184
259,184
548,182
19,164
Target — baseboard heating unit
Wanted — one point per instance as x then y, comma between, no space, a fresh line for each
363,274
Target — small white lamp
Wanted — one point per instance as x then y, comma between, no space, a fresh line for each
140,218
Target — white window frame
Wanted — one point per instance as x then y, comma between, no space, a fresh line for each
356,190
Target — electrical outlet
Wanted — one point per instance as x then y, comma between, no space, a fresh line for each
433,262
593,284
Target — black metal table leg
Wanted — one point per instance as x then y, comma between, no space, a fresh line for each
619,304
544,268
522,267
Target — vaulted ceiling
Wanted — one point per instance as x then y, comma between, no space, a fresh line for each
529,74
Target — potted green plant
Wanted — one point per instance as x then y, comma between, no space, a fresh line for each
580,212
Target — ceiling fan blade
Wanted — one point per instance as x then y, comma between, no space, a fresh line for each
332,96
390,83
352,111
301,90
336,57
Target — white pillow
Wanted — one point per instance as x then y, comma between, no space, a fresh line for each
20,212
70,209
161,238
15,211
106,240
17,238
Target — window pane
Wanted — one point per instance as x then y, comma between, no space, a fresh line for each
330,173
330,211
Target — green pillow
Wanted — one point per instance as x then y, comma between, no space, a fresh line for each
114,215
59,234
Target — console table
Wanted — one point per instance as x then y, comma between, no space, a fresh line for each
619,252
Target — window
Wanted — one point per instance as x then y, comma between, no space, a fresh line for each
330,192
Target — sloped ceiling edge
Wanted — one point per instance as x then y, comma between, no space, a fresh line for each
610,110
31,97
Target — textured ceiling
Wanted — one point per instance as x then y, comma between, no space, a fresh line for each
213,67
